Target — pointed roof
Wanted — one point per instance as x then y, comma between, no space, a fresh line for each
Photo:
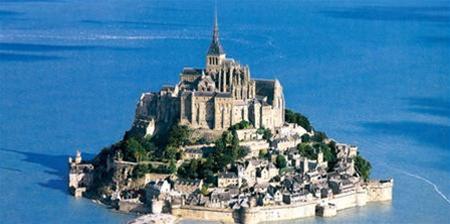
215,48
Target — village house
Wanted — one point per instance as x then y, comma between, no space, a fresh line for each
186,186
226,179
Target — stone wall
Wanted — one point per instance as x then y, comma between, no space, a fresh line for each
349,200
380,190
278,213
376,191
203,213
133,207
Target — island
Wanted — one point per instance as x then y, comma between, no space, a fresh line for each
222,146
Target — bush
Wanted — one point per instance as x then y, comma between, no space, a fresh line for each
241,125
297,118
305,138
170,152
265,132
281,161
204,190
141,169
172,166
319,136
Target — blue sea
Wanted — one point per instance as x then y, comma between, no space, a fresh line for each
371,73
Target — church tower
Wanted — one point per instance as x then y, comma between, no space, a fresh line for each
215,54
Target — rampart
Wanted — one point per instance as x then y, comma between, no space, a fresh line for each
203,213
277,213
372,192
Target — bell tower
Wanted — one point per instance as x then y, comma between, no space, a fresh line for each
215,54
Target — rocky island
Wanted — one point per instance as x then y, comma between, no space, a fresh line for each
222,146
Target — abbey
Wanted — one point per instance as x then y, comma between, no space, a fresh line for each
214,98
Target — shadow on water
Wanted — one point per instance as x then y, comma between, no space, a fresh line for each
431,134
30,47
6,13
10,169
32,1
29,52
9,57
56,166
435,135
137,24
429,106
382,13
443,40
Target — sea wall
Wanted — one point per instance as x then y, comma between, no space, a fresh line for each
373,191
277,213
203,213
380,190
349,200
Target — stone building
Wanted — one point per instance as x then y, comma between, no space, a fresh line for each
213,98
80,175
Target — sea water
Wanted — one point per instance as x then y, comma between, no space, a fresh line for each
370,73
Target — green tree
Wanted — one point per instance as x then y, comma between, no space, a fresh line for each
204,190
170,152
319,136
306,150
363,167
141,169
281,161
172,166
193,169
297,118
241,125
305,138
179,135
134,151
149,146
262,154
265,132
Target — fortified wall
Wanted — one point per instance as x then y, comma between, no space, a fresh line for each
374,191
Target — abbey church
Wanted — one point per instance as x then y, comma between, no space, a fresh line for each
213,98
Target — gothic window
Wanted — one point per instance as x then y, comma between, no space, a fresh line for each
198,113
223,117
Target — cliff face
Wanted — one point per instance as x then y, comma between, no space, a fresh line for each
155,113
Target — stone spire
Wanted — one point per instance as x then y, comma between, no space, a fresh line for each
215,48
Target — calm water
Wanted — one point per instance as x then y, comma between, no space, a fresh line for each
375,74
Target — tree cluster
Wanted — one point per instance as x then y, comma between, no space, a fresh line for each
363,167
265,132
141,169
227,151
201,169
241,125
311,150
297,118
137,149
